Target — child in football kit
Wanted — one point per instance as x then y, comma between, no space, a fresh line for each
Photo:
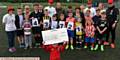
79,32
54,50
88,17
27,32
102,27
46,20
70,22
54,22
61,22
89,32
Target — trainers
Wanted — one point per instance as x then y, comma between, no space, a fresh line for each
66,47
85,47
11,50
102,48
112,45
78,47
14,49
106,43
92,48
22,45
36,45
96,47
26,48
30,47
71,47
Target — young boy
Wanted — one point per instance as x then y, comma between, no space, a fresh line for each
89,32
70,22
19,18
61,21
27,32
102,27
54,22
96,19
79,33
36,17
46,20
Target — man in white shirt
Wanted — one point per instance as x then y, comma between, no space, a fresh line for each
92,9
50,9
10,28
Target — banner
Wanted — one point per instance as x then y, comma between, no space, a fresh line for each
55,36
20,58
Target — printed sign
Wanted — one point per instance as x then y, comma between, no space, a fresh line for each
46,23
35,22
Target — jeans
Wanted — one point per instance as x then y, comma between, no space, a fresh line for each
28,40
11,38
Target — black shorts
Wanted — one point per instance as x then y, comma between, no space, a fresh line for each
101,36
20,32
36,30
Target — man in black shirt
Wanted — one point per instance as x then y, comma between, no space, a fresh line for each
112,15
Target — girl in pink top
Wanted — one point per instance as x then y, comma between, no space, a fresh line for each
89,32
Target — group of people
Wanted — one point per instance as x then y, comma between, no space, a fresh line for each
89,27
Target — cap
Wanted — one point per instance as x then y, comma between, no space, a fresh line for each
110,1
10,8
50,1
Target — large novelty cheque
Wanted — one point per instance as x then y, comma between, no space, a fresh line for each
54,36
46,23
35,22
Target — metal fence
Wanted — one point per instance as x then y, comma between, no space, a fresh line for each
65,1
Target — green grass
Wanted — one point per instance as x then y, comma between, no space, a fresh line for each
84,54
